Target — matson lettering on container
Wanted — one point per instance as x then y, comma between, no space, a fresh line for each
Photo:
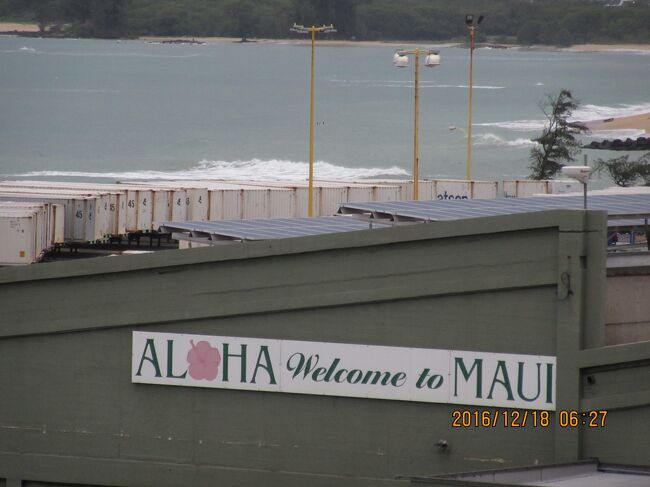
348,370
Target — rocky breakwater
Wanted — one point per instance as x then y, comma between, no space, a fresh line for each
639,144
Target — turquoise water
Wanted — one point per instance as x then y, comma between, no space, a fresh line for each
114,110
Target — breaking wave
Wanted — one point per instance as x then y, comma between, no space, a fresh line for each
254,169
516,125
31,50
22,49
585,113
407,84
616,134
597,112
492,139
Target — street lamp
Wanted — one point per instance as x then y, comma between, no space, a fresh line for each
579,173
472,25
301,29
401,60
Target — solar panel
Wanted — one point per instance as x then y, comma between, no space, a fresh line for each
628,205
262,229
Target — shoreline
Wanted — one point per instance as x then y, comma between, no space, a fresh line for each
17,28
639,121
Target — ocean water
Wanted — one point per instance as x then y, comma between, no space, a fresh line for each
109,110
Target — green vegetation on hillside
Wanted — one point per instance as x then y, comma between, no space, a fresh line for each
557,22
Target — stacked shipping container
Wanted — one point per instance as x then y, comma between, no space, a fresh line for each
90,212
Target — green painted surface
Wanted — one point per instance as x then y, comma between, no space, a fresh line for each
71,414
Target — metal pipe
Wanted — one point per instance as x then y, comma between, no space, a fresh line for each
310,205
416,129
468,173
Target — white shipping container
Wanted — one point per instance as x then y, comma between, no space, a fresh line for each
281,203
145,210
116,207
40,215
20,236
386,193
485,190
231,204
452,189
524,187
162,206
330,200
58,216
79,212
47,212
198,204
179,205
564,186
359,194
254,203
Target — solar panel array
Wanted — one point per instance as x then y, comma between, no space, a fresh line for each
262,229
627,206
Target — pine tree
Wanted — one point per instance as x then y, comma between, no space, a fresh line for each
558,144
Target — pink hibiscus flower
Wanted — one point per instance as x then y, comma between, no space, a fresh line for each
204,361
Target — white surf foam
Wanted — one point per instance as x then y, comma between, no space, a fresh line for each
584,113
616,134
23,49
273,169
407,84
516,125
493,139
587,113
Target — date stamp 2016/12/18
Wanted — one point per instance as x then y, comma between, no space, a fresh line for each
516,418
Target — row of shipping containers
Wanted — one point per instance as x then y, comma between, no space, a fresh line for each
28,230
94,212
521,188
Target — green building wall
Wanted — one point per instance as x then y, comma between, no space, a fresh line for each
525,284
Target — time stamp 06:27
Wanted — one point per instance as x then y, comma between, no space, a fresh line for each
516,418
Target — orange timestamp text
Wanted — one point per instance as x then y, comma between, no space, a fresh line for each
520,418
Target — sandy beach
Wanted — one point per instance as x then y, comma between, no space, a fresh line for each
299,42
16,27
609,47
641,122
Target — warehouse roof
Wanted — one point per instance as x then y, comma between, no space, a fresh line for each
262,229
629,206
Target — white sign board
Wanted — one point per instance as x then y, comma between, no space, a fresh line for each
337,369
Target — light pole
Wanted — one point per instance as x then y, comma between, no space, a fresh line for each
472,25
579,173
301,29
401,60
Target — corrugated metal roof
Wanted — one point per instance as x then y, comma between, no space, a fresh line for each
621,206
263,229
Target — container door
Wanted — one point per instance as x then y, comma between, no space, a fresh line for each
145,210
179,206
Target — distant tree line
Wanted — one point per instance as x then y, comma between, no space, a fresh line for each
556,22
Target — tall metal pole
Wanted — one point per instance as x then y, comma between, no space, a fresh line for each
400,60
416,129
301,29
310,206
469,110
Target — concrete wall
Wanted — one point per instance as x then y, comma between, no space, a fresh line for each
628,307
530,284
